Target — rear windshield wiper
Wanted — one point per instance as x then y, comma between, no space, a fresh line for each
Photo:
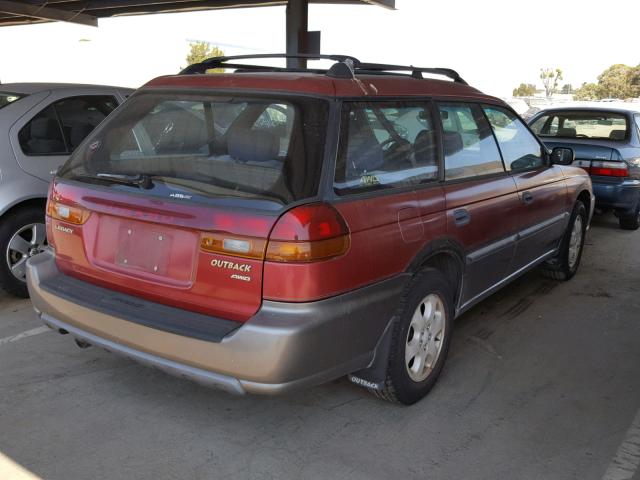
141,181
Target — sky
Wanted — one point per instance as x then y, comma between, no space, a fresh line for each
494,44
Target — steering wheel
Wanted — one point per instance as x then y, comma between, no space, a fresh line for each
397,150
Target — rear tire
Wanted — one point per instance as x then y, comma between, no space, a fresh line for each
420,339
631,222
22,235
565,264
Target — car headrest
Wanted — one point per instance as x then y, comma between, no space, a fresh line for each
78,133
617,134
364,153
248,145
452,142
45,129
566,132
424,147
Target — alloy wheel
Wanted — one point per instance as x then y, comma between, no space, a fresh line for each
425,337
575,242
24,244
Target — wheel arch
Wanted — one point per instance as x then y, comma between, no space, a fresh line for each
585,197
35,201
445,255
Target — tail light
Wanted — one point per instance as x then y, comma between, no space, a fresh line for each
246,247
66,213
609,169
304,234
307,234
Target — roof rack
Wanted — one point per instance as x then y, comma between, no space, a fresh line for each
345,67
223,62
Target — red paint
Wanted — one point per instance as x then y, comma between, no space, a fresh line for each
307,83
185,277
387,231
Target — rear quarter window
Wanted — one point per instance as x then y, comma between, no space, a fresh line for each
385,145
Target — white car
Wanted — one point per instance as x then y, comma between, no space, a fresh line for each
40,125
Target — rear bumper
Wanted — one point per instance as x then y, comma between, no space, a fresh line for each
283,346
621,196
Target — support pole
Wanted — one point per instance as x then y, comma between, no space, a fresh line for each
297,26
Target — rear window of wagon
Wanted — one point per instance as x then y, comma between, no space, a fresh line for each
209,146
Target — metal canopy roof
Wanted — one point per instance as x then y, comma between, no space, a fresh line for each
87,12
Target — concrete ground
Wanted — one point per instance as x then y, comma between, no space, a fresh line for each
542,382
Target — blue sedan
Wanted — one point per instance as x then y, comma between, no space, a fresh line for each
606,141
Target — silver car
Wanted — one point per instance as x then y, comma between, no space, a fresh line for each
40,125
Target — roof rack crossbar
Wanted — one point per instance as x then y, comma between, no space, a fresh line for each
345,67
223,62
415,71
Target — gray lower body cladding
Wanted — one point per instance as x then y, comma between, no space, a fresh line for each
283,346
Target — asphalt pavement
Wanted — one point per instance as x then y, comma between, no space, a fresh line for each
542,382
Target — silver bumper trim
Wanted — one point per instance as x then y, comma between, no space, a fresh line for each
203,377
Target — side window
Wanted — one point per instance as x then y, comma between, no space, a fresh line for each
43,135
61,127
637,118
384,145
469,147
80,115
520,149
546,126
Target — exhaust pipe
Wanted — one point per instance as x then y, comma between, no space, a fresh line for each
82,344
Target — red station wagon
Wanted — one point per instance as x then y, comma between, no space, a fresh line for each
274,228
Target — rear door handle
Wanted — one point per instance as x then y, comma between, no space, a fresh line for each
527,198
461,217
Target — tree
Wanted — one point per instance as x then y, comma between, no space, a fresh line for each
200,51
615,82
634,79
567,89
525,90
550,79
618,81
588,91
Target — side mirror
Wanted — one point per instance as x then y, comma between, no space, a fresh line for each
562,156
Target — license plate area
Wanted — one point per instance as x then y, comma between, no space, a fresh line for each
144,249
149,251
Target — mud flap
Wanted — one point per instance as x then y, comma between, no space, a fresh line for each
374,375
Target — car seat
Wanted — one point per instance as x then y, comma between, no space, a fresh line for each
566,132
45,137
617,134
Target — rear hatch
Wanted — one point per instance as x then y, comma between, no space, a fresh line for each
173,199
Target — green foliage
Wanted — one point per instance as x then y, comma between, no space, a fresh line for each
525,90
550,78
615,81
200,51
588,91
618,81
